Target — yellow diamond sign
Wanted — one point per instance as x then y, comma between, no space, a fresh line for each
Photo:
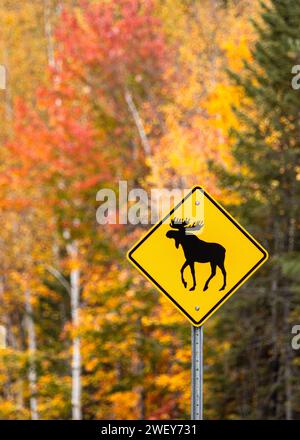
198,255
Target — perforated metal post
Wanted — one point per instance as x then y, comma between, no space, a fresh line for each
197,374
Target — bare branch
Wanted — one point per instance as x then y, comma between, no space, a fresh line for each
138,122
59,277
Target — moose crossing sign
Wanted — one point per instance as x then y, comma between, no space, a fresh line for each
198,255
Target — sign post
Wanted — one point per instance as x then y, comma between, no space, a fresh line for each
197,374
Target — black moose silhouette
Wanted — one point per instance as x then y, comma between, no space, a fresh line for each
196,250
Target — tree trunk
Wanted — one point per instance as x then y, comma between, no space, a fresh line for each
32,376
288,356
8,98
76,355
139,370
2,336
138,123
48,33
3,331
287,366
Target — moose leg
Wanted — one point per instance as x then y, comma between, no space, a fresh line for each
221,266
213,273
181,271
192,266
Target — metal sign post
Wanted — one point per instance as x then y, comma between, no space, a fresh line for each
173,245
197,374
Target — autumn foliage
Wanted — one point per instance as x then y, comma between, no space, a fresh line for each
98,92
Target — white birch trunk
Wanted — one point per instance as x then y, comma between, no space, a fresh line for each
48,33
76,354
32,376
2,336
8,339
8,98
3,332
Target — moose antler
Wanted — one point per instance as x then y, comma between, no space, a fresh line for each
179,223
185,225
196,226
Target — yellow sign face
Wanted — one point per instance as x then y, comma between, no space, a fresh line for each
198,255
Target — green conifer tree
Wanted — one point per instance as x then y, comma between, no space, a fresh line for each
267,151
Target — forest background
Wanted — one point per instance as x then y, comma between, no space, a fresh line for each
162,94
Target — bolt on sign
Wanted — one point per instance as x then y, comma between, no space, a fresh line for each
198,255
